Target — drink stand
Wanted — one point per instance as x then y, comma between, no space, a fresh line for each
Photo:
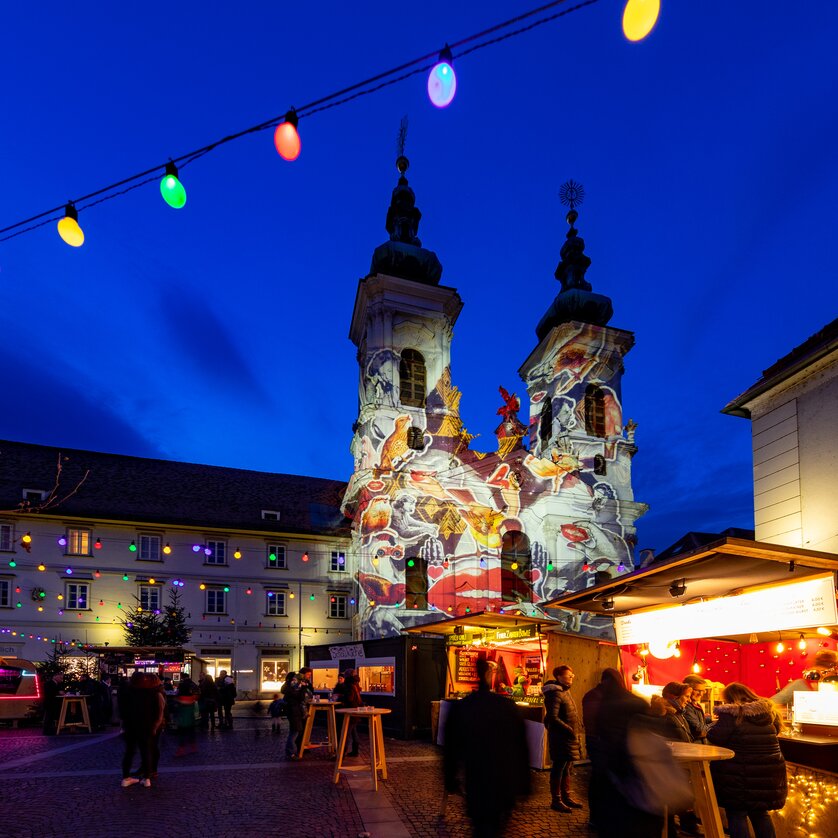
738,610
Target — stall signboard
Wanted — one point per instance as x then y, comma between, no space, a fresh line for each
465,666
791,606
488,638
352,651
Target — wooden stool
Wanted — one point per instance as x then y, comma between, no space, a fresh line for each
331,724
70,701
378,759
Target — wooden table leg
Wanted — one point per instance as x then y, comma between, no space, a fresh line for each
331,725
306,733
374,752
341,747
86,715
705,799
379,733
62,717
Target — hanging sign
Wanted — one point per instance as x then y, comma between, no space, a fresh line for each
353,650
797,605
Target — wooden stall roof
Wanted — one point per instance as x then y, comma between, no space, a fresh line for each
137,651
479,620
727,566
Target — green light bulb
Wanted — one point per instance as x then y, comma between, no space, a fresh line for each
311,597
171,188
226,589
124,577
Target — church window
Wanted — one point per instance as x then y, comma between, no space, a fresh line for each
416,583
595,411
516,567
412,378
545,430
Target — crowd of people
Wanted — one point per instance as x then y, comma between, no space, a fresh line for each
634,778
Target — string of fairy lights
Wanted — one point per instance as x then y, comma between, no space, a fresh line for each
638,19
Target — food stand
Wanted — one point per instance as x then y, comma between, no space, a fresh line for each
19,689
164,661
736,610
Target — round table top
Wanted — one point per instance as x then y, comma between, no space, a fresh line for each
323,702
689,751
367,711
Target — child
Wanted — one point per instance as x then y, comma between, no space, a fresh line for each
276,709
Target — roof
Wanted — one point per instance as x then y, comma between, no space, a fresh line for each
818,346
479,620
717,569
693,540
118,487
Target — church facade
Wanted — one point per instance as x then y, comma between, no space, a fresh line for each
442,529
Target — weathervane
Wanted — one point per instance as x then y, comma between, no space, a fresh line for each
402,162
571,194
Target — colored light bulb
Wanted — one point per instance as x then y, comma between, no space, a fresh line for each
41,594
124,577
305,557
311,597
167,549
202,586
249,591
292,595
152,581
780,648
12,563
410,563
97,574
42,566
237,554
69,571
68,227
226,589
60,597
196,548
286,138
442,80
132,547
514,565
639,18
97,544
171,188
207,551
62,541
26,539
801,644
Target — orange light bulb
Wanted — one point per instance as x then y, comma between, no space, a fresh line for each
286,138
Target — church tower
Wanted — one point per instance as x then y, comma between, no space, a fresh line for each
573,378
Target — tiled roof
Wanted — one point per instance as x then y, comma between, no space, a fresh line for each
165,492
817,346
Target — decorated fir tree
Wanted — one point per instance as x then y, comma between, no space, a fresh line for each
56,661
175,630
143,627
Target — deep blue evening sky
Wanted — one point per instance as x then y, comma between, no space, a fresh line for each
218,333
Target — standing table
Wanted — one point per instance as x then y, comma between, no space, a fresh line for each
697,758
68,701
331,724
378,760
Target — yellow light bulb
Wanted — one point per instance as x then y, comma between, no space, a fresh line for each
68,227
202,586
237,554
639,18
696,668
780,648
151,581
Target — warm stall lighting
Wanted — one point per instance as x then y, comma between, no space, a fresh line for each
801,644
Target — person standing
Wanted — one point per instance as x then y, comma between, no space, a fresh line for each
351,697
754,781
694,711
298,696
52,702
142,707
207,701
226,699
485,737
591,708
562,722
185,702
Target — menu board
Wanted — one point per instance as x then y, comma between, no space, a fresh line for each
532,666
465,666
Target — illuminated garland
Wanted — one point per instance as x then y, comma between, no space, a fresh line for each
811,809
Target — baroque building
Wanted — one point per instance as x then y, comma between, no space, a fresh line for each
439,528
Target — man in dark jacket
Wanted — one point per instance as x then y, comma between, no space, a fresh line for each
484,735
298,696
141,705
562,723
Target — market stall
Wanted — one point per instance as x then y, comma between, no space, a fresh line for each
736,610
19,689
168,662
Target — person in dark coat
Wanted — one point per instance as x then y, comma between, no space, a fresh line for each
141,706
298,696
486,739
754,781
591,707
207,701
562,723
226,699
694,712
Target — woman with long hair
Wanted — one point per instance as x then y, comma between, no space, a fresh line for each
753,782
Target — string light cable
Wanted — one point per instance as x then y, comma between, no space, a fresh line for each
422,64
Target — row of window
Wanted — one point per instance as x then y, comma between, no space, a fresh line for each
77,598
149,548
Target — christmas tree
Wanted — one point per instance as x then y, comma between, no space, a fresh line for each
56,661
175,630
143,627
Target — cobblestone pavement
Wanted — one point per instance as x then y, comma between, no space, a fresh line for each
239,785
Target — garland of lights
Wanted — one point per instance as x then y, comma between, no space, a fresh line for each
639,18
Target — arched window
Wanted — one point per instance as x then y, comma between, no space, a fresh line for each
515,566
416,584
412,378
545,430
595,411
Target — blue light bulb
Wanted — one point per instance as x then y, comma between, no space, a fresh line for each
442,81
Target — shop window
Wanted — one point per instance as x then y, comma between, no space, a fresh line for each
416,583
378,675
595,411
545,429
7,537
216,660
217,552
337,562
275,603
149,597
149,548
337,606
274,672
216,601
5,593
324,676
412,378
516,564
275,556
78,542
77,596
